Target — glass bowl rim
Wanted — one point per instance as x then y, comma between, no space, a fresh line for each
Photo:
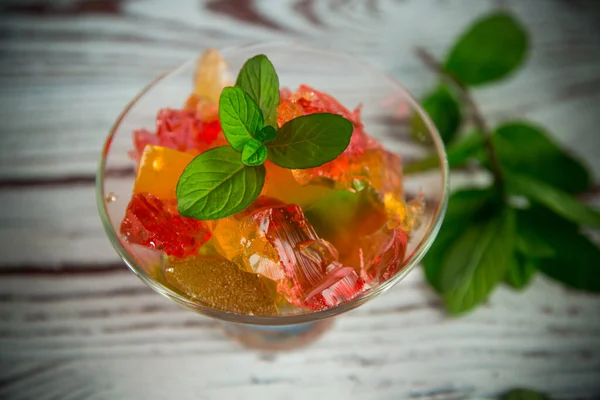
413,260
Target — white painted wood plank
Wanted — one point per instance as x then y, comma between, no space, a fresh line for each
76,75
109,328
52,226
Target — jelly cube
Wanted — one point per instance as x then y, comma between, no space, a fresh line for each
159,171
343,216
281,184
375,167
220,284
154,223
379,255
307,100
180,130
211,76
241,242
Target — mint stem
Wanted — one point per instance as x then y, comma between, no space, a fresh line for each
430,62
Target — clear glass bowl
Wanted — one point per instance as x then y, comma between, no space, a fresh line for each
389,113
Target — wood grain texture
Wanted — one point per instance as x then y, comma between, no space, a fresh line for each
76,324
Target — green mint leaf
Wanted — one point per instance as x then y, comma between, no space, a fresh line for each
464,256
489,50
259,79
444,110
458,154
524,394
521,271
266,134
576,262
310,140
558,201
254,153
240,116
529,242
464,207
527,149
485,263
216,184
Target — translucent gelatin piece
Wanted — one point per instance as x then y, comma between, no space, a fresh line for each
181,130
159,171
211,76
282,185
379,255
309,263
220,284
375,167
242,242
154,223
343,216
342,284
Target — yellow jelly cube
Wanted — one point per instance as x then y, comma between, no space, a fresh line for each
159,171
211,76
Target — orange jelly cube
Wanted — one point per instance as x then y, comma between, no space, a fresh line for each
159,171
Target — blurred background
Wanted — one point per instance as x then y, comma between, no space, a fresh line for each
75,323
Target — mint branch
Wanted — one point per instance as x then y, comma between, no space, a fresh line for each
221,182
465,95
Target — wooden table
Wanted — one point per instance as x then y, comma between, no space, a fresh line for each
76,324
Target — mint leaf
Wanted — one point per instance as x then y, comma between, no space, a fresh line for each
444,111
458,154
216,184
529,241
266,134
558,201
489,50
464,256
259,79
576,262
521,270
240,116
254,153
524,394
434,258
527,150
464,207
310,140
485,263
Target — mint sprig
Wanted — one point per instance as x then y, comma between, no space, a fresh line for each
223,181
534,182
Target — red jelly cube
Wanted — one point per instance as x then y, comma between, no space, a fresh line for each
307,100
182,130
379,255
154,223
